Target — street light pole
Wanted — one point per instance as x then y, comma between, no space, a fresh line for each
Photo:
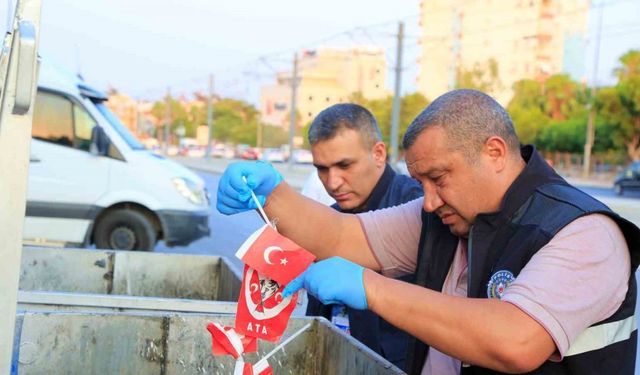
591,129
167,120
209,117
294,94
395,111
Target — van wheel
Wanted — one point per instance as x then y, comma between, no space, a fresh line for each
125,230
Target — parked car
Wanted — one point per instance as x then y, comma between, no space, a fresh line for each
222,151
92,182
629,179
250,154
273,155
195,151
302,157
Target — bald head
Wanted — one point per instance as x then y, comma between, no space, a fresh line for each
469,118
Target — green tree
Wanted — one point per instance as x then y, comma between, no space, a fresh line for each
549,114
235,121
410,106
564,98
274,136
628,89
527,110
179,116
482,76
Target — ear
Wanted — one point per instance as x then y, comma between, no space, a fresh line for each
495,149
379,152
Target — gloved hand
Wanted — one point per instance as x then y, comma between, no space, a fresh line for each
234,194
333,280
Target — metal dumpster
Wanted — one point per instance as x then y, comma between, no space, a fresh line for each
134,343
99,280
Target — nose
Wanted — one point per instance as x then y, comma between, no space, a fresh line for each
432,200
334,179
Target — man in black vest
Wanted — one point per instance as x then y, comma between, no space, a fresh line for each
518,271
350,159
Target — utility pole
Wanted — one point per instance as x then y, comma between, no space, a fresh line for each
591,128
138,123
292,123
455,47
209,117
167,121
259,135
395,111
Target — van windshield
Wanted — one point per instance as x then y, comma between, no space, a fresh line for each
119,127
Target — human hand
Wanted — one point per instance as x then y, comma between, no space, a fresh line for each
237,181
333,280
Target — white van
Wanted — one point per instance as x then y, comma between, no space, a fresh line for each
92,182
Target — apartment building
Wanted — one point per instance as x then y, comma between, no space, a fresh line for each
326,76
524,38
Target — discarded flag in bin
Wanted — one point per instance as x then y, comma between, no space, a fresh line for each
226,341
262,368
243,368
262,311
274,255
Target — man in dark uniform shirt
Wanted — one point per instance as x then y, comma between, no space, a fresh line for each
350,158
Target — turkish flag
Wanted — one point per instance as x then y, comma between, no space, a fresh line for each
243,368
262,311
262,368
226,341
274,255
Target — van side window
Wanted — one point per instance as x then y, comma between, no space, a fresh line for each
57,119
84,123
53,119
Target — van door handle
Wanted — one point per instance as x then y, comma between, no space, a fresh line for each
34,159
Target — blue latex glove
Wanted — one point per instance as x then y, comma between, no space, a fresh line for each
333,280
234,194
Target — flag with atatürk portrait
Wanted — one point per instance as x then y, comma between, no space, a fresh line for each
262,310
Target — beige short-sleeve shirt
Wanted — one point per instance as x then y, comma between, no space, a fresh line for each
579,278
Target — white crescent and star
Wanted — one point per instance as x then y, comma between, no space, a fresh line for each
268,251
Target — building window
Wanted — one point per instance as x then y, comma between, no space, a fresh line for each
309,114
310,98
327,99
377,85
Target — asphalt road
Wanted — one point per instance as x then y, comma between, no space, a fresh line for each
600,192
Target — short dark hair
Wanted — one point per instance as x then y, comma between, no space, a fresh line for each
469,118
345,116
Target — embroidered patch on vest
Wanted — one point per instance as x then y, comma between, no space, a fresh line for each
499,283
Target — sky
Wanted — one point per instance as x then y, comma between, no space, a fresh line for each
142,47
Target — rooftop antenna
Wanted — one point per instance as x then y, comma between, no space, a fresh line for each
78,70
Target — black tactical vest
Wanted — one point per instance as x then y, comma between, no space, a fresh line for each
538,204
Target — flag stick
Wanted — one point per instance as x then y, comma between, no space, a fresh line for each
260,209
285,342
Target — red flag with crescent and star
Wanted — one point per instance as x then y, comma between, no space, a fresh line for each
274,255
262,310
226,341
